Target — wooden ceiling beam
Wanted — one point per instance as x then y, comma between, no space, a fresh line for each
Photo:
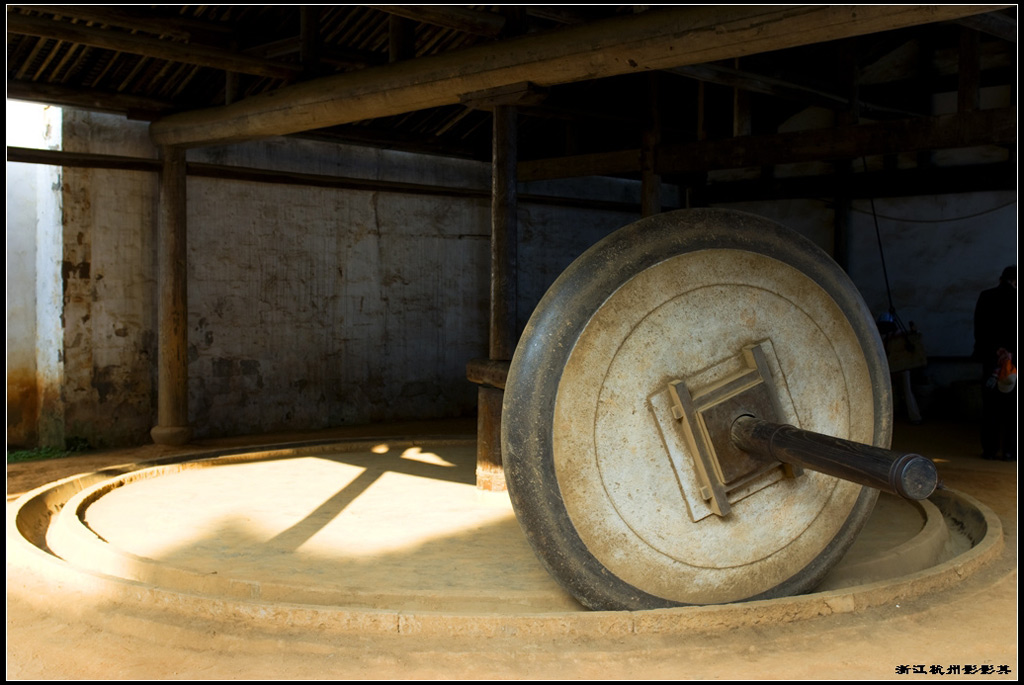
658,39
970,129
132,106
178,28
787,90
562,14
486,24
293,45
189,53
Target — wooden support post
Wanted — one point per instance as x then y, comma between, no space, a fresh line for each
504,238
231,87
969,72
309,39
172,304
504,233
650,181
401,45
489,473
848,74
842,214
698,181
741,110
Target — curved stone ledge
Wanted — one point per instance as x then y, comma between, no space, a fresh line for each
47,533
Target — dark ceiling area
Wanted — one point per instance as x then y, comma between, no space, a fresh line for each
157,62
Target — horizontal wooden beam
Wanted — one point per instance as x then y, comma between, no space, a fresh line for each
83,160
575,166
142,108
899,183
490,373
985,127
131,106
657,39
931,181
135,44
970,129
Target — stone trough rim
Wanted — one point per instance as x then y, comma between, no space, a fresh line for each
345,620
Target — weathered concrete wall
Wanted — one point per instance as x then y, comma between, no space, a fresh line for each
317,307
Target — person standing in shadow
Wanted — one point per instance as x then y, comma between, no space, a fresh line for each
995,346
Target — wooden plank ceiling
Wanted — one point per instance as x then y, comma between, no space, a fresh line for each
706,86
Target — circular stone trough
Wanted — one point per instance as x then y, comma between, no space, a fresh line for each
392,536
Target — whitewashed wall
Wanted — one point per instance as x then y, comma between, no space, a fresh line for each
34,258
22,393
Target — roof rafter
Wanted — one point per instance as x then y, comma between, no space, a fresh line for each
476,22
146,46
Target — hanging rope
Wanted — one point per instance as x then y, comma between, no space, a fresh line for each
885,272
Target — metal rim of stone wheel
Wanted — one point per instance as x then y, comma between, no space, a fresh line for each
606,480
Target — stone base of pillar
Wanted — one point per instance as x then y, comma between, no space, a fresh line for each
489,473
170,435
490,478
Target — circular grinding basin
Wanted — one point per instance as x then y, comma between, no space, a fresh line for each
630,372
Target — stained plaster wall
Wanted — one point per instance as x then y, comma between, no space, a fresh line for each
34,364
109,283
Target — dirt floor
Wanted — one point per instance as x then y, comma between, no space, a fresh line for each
57,630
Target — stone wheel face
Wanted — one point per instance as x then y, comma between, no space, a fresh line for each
604,477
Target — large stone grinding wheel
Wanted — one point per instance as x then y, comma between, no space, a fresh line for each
635,359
